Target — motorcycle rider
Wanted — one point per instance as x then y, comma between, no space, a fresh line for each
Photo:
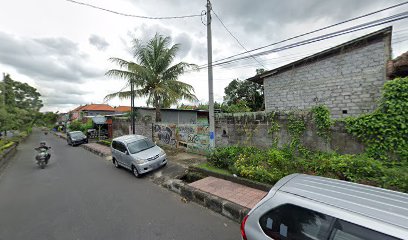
43,145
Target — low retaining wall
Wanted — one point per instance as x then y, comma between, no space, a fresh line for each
7,154
224,207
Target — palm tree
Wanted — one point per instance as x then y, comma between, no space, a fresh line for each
153,75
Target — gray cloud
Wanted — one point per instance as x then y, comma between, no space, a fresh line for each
46,59
62,93
185,42
259,22
99,42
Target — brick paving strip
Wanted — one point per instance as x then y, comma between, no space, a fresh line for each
236,193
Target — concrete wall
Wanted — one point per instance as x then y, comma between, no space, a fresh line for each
121,126
350,81
189,137
251,129
170,116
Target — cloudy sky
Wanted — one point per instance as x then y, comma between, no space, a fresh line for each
62,48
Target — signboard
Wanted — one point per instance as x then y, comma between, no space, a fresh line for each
99,119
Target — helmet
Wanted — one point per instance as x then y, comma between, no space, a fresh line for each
43,143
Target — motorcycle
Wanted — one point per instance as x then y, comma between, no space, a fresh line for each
42,157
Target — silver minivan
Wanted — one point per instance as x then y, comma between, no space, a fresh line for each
137,153
309,207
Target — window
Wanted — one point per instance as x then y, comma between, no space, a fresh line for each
122,147
140,145
115,145
290,222
343,230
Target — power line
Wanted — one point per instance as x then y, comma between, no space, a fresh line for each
236,39
132,15
314,31
360,27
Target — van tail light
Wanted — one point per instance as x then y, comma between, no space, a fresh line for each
244,237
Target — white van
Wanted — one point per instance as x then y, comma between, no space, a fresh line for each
310,207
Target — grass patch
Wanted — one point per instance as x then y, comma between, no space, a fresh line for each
211,168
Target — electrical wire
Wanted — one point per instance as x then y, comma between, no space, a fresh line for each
317,30
360,27
236,39
131,15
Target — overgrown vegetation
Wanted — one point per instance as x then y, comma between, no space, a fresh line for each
6,143
79,126
322,120
105,142
19,105
272,164
296,127
383,164
385,131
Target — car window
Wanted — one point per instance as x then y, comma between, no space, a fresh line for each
288,222
114,145
343,230
77,134
140,145
122,147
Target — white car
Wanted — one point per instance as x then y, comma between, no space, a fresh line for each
137,153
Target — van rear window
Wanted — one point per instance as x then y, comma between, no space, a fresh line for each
293,222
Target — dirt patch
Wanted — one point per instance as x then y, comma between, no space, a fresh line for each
183,158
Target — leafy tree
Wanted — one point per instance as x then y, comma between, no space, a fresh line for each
19,104
249,92
47,119
21,95
153,74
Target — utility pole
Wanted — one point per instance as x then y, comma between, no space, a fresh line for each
210,78
132,106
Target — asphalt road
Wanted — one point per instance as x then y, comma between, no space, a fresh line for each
82,196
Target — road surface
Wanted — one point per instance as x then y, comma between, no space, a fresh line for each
82,196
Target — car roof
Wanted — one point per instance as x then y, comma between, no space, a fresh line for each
129,138
76,132
373,202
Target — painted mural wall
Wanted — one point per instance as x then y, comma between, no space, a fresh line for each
191,137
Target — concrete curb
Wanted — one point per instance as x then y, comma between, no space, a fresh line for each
219,205
94,151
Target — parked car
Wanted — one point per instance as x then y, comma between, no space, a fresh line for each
76,138
137,153
310,207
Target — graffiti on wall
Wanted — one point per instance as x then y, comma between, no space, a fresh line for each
165,133
192,137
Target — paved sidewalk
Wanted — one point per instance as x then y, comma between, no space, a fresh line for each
98,148
236,193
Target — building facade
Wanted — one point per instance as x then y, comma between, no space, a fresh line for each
347,78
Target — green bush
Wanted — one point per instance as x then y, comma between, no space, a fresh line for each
272,164
105,142
395,178
5,146
225,157
385,130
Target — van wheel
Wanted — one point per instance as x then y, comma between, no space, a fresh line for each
135,172
115,163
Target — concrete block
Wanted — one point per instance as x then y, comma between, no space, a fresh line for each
187,192
214,203
199,197
232,211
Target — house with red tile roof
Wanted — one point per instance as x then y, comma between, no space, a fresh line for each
122,109
91,110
